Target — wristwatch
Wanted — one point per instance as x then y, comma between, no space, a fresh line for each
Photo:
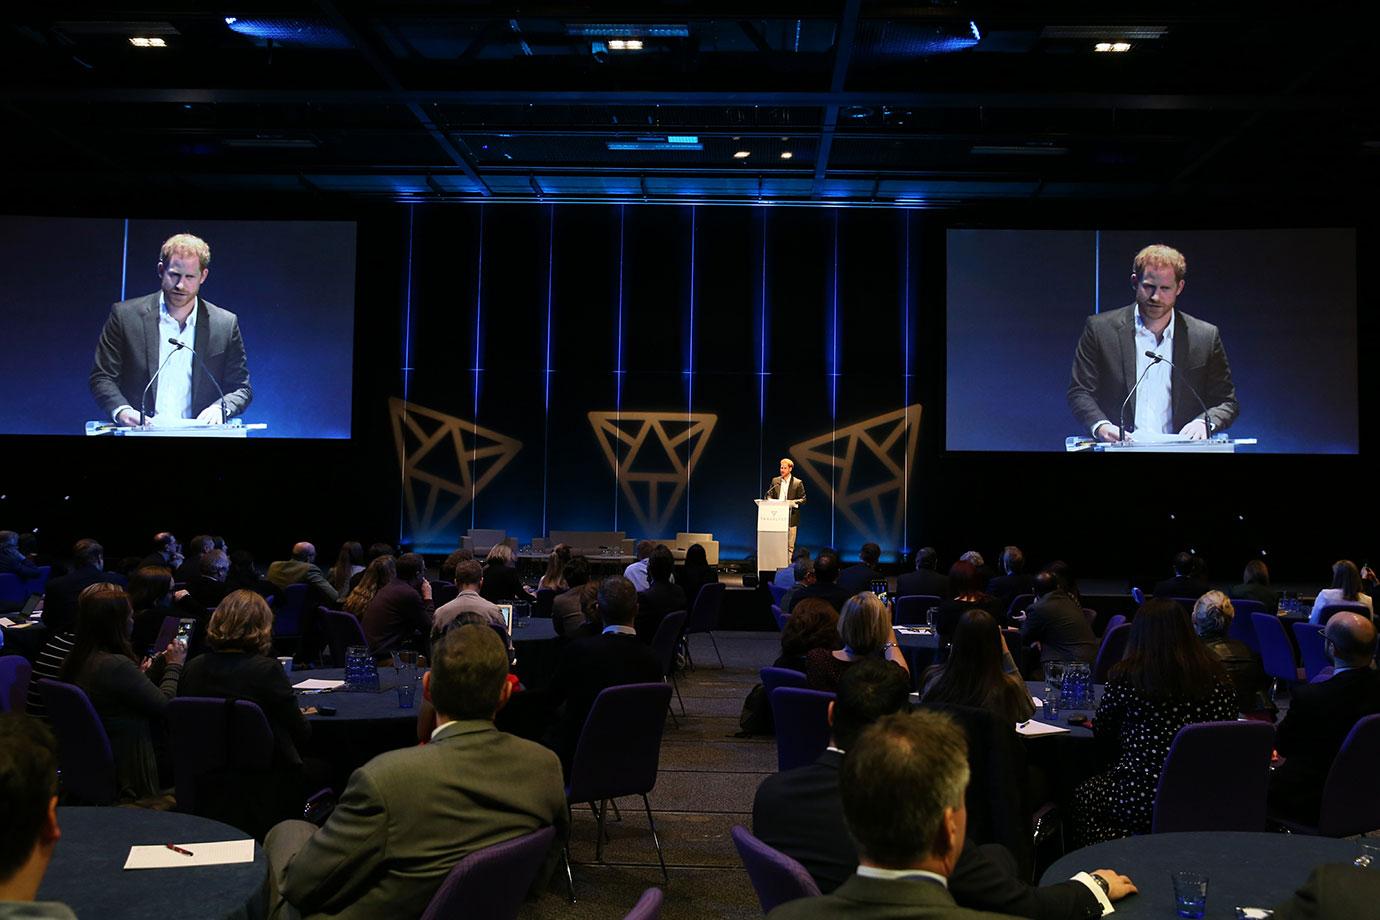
1106,889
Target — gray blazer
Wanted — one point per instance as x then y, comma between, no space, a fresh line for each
882,899
408,816
1104,370
796,491
127,355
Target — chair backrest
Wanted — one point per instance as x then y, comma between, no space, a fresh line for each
1276,652
1326,613
39,583
1215,778
666,638
802,725
648,907
490,884
1019,603
84,755
780,616
1113,649
12,588
287,616
620,744
777,591
15,672
1312,648
210,734
443,592
776,877
911,608
1242,628
1349,803
342,631
704,611
1137,595
782,677
543,606
1113,622
480,540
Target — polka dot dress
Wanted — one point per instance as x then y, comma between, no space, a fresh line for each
1119,803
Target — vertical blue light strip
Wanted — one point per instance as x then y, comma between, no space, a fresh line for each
406,372
762,359
1097,271
834,381
478,353
618,366
905,432
124,261
546,418
690,363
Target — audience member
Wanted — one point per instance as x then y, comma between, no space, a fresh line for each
469,578
1212,618
785,576
150,594
207,588
1057,623
974,558
979,672
191,562
695,574
804,577
103,664
865,628
400,613
1064,572
29,801
501,579
814,624
567,613
800,813
1190,578
167,552
967,587
553,579
13,562
447,571
926,578
662,596
375,551
243,576
408,816
348,561
1320,716
377,574
60,597
1255,586
636,572
1346,589
1166,680
1334,892
588,665
825,584
1012,582
302,569
31,550
859,577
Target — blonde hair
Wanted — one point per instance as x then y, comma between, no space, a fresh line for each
186,244
1212,614
865,624
243,622
788,461
1161,256
501,552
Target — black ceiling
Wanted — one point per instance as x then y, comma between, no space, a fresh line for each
923,103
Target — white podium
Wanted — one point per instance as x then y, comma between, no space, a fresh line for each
773,523
183,428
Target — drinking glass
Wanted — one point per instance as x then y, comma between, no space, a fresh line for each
1190,894
1370,856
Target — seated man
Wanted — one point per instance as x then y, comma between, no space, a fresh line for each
785,576
804,577
207,588
825,584
859,577
302,568
469,578
60,596
636,572
402,609
1321,715
926,579
408,816
800,812
1013,581
190,568
167,552
1057,622
661,595
1190,578
28,800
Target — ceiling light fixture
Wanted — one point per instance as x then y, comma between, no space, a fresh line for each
742,154
141,42
1114,47
786,154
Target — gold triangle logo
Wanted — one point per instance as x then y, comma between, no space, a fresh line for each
622,436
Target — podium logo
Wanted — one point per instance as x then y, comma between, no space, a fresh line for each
872,461
652,480
446,462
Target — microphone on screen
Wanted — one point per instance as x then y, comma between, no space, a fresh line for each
177,344
1156,359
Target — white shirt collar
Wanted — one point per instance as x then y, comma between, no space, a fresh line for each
1166,336
892,874
619,630
440,728
163,313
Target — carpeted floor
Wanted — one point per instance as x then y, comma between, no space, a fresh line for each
705,786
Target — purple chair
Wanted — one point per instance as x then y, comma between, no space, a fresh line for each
15,672
1312,649
1276,651
12,588
39,583
911,608
664,643
1113,649
214,734
491,884
342,631
1349,803
1113,622
543,606
777,591
85,759
1326,613
617,755
704,617
1242,627
1138,596
776,877
780,616
1018,603
802,725
781,677
287,616
1215,778
648,907
443,592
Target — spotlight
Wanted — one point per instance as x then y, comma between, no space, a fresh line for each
786,154
140,42
1115,47
742,154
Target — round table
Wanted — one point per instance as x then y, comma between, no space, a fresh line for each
87,872
1036,688
1243,869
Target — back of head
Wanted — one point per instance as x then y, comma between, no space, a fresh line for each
576,571
499,554
644,549
897,781
448,568
1183,564
660,564
149,585
696,557
867,691
469,666
243,622
813,623
1212,614
801,552
87,552
1352,637
865,624
973,558
1347,579
1256,573
870,554
379,572
469,573
1062,571
28,785
103,613
803,569
1163,657
1046,583
214,564
617,601
926,557
826,566
410,567
964,579
1012,560
163,541
303,552
380,549
199,544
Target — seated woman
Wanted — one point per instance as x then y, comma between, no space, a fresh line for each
1255,586
1346,589
553,579
379,573
1212,619
865,628
350,561
150,594
103,664
1166,681
696,573
969,592
814,624
980,672
501,579
239,666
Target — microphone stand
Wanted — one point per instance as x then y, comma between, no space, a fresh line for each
224,416
144,399
1156,359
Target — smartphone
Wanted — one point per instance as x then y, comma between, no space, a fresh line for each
184,632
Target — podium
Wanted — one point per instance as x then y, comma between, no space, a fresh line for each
773,523
235,428
1217,444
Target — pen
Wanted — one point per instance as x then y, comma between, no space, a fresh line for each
177,849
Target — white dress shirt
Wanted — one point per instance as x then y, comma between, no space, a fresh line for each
785,491
173,391
1154,399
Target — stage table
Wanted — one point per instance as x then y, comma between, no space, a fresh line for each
87,871
1243,869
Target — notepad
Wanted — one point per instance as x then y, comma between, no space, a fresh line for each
208,853
1034,729
914,630
317,684
11,624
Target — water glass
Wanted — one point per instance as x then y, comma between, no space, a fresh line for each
1054,677
355,671
1370,856
407,694
1190,894
1051,702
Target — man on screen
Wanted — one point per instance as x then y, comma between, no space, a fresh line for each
1111,357
135,344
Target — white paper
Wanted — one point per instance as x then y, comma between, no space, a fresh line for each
1037,701
11,624
914,630
6,621
1034,729
317,684
209,853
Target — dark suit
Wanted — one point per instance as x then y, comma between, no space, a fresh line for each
794,492
587,666
923,581
1182,586
206,591
1009,587
660,598
395,615
857,578
835,595
1319,718
60,596
502,583
1058,624
882,899
127,356
1334,892
1104,370
1257,592
800,813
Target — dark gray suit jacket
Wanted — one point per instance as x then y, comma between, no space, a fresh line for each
1104,370
882,899
796,492
127,355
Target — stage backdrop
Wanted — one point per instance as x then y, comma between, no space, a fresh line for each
644,368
